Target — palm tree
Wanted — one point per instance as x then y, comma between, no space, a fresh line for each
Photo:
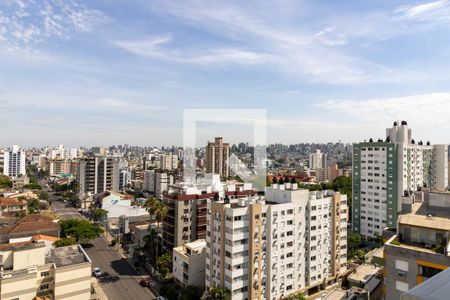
149,245
151,205
161,211
217,293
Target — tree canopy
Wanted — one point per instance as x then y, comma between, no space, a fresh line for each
80,230
64,242
216,293
99,214
5,182
164,264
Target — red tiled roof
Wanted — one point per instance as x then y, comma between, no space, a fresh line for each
10,201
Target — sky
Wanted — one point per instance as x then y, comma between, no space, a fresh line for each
104,72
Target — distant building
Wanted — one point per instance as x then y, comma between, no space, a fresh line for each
32,271
162,182
14,162
383,171
189,264
217,158
149,181
98,174
168,161
421,248
60,166
317,160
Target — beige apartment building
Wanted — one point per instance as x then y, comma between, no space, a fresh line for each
217,158
189,263
30,270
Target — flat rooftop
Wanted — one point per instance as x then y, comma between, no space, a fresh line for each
425,221
66,256
363,273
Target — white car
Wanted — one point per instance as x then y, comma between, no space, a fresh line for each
161,298
97,272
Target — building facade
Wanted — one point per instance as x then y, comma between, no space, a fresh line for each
217,158
272,247
383,171
31,270
98,174
421,248
189,264
14,162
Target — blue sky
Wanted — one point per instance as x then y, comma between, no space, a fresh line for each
105,72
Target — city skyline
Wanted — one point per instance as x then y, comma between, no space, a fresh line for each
94,73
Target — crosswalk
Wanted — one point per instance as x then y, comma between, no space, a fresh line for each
67,213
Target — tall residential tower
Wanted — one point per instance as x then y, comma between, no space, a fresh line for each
217,158
384,171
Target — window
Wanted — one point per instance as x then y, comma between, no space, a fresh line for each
45,274
43,287
401,286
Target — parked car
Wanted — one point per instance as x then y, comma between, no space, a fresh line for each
97,272
144,283
161,298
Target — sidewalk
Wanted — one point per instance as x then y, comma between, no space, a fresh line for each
99,294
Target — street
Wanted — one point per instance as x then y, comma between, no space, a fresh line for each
120,280
65,212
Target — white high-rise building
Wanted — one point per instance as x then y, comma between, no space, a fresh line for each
63,153
162,182
14,162
384,171
317,160
269,248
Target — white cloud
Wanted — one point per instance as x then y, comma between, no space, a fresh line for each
293,51
24,24
118,104
437,9
427,109
153,48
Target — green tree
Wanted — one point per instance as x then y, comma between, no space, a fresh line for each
99,214
353,242
5,182
216,293
33,186
296,297
64,242
169,290
164,264
33,206
190,292
80,230
150,244
43,195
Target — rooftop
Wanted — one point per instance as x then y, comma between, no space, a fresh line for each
363,273
66,256
10,201
425,221
21,246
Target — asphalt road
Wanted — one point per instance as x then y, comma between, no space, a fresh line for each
65,212
119,281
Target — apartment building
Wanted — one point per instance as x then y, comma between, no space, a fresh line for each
162,182
268,248
317,160
187,204
421,248
217,158
168,161
383,171
60,166
30,270
63,153
189,263
98,174
14,162
149,181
